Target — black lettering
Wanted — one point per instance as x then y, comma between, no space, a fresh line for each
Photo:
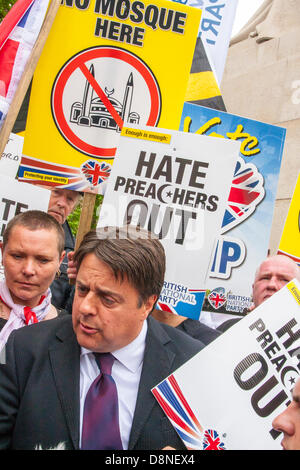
179,22
164,169
120,181
185,218
144,163
7,203
105,7
266,337
165,226
151,16
213,205
200,199
178,196
130,186
21,206
287,330
123,9
82,4
182,165
165,22
258,325
197,174
260,393
245,365
101,27
142,213
137,15
279,362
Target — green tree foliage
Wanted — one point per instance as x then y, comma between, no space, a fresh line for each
73,218
5,6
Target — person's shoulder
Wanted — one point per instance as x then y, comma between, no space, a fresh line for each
199,330
38,334
177,340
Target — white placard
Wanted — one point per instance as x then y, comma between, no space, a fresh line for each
176,185
18,197
11,157
240,382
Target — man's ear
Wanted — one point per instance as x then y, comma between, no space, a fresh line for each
149,304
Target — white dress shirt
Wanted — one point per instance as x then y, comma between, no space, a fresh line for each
126,372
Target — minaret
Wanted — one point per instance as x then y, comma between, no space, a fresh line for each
127,99
85,119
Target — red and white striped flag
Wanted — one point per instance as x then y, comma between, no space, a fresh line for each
18,33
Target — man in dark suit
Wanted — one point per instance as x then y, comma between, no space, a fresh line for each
52,369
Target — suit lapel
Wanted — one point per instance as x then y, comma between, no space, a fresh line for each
65,363
157,364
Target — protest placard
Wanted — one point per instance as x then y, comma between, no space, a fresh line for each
215,29
11,157
290,240
18,197
176,185
228,394
247,220
104,63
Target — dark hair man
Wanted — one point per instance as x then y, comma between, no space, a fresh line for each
50,390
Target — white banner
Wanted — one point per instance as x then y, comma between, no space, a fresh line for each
227,396
11,157
215,29
176,185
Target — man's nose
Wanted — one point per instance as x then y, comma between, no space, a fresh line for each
274,283
88,304
62,201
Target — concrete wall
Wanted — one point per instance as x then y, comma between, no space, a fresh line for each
262,81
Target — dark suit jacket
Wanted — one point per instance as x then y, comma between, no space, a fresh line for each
39,386
198,330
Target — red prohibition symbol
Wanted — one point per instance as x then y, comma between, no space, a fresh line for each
79,63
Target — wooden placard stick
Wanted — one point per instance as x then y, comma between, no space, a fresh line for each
86,217
85,220
25,80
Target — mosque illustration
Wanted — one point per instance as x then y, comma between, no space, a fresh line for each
92,112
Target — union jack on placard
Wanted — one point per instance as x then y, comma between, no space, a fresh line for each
247,191
217,297
212,441
171,399
96,173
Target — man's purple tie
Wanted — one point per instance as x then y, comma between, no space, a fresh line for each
100,429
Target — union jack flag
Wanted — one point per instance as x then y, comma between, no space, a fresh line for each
246,192
96,173
18,32
171,399
217,297
211,441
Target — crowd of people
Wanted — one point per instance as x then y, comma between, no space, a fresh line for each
81,376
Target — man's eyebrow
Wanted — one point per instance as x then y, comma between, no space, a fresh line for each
105,292
102,292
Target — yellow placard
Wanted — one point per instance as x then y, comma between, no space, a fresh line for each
290,239
294,290
106,64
